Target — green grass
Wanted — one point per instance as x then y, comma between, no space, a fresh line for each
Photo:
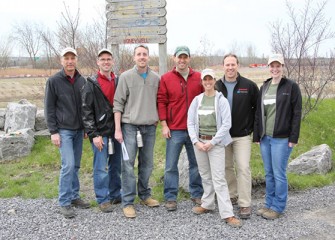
36,176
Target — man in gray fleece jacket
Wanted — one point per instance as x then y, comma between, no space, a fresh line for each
135,106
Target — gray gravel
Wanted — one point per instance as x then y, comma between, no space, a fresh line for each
309,215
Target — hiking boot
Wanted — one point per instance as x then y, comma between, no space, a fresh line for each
79,203
233,222
171,205
244,212
270,214
115,201
67,211
129,211
150,202
196,201
199,210
261,211
234,201
106,207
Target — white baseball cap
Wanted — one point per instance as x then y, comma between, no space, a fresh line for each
207,72
68,50
277,57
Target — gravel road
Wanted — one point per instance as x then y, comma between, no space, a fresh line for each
309,215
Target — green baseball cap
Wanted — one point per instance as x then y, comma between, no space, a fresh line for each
182,50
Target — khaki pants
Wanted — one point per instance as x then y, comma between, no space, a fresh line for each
212,171
238,158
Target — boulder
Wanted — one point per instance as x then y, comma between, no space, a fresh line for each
20,115
2,117
40,123
16,144
317,160
183,171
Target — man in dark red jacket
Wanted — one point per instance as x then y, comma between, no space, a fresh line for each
176,91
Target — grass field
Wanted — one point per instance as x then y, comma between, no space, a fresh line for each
32,88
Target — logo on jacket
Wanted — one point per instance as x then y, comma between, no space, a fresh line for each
242,90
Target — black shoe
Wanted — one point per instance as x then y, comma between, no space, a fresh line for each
67,211
79,203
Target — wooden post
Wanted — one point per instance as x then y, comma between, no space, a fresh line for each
116,57
162,58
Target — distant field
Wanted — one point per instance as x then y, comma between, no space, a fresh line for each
15,86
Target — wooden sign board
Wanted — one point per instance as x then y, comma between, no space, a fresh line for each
137,39
137,13
140,22
126,6
137,31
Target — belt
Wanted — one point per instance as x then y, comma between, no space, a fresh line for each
206,137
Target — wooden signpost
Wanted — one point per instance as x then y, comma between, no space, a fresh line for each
137,22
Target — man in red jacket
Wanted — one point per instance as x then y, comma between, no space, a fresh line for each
176,91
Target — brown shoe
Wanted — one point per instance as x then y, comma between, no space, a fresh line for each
245,212
171,205
129,211
197,201
234,201
261,211
270,214
150,202
106,207
233,222
199,210
115,201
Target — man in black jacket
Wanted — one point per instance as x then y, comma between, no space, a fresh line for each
63,116
98,118
242,96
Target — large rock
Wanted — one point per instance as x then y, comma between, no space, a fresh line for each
317,160
40,123
20,115
183,171
2,117
16,144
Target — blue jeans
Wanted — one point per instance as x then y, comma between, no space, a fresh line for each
106,172
174,146
70,151
145,162
275,153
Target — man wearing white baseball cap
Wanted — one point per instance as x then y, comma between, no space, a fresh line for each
62,108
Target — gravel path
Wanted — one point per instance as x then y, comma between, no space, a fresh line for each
309,215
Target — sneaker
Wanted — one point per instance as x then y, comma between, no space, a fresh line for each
244,212
79,203
115,201
270,214
129,211
261,211
197,201
200,210
67,211
150,202
106,207
234,201
233,222
171,205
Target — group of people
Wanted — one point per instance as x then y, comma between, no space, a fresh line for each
213,119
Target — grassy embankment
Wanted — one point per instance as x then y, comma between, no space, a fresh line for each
36,176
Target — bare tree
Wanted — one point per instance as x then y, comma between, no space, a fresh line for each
27,34
50,48
299,41
5,51
68,28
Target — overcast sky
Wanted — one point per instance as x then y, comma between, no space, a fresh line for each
224,23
